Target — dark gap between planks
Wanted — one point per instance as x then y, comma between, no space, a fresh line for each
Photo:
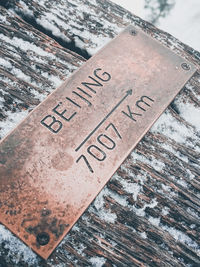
32,21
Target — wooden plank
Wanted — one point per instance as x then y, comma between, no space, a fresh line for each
148,214
55,184
31,66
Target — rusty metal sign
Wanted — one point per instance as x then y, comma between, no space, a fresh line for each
59,158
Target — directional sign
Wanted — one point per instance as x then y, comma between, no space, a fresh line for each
59,158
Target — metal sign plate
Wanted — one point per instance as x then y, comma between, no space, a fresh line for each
58,159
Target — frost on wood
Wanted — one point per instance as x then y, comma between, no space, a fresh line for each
148,214
91,31
31,66
16,249
90,24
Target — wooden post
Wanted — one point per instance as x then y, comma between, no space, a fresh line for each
148,214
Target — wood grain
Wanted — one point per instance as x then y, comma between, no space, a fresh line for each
32,65
148,214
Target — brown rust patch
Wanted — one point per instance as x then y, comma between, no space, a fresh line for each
62,161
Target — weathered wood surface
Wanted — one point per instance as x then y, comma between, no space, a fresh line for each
31,66
148,214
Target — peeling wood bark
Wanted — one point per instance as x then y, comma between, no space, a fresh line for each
148,214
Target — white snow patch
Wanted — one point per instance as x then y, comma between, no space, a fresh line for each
84,9
16,249
93,2
193,213
182,182
26,46
47,23
22,76
118,198
153,162
191,88
1,100
141,211
140,178
190,113
97,261
181,237
191,176
26,9
55,80
38,95
80,249
154,221
165,211
89,41
3,19
143,235
58,265
131,188
75,228
93,44
105,214
11,122
192,226
173,129
5,63
175,152
166,187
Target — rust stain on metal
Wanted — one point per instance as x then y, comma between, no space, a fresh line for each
59,158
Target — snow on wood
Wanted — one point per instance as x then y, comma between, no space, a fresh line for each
31,66
149,213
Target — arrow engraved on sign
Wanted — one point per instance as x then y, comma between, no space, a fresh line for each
129,92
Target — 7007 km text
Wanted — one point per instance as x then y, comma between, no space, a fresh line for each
103,140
